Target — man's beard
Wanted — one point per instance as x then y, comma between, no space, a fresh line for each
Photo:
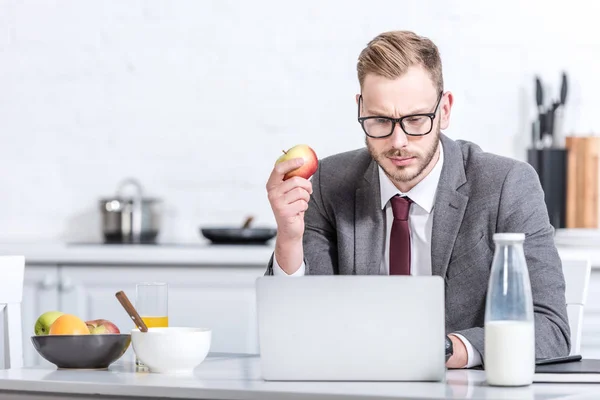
405,174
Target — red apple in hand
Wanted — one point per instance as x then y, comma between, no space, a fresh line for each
100,326
303,151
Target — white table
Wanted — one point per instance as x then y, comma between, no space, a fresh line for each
238,377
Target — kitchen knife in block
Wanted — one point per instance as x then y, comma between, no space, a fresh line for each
582,181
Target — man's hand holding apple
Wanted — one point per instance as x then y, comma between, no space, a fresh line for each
289,191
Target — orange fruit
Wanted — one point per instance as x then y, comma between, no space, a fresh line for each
68,324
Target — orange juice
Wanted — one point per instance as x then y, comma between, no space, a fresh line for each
156,322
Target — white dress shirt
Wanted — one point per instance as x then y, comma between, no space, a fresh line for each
420,220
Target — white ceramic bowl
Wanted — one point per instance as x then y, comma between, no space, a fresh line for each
171,350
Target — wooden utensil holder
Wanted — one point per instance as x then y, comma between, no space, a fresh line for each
582,181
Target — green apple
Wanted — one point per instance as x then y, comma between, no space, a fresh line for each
45,321
303,151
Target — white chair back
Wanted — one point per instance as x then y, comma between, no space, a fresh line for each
12,271
577,280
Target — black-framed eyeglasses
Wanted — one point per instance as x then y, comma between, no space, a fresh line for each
413,125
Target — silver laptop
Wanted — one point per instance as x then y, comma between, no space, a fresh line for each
351,328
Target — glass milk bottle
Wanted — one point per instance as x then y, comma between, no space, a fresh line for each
509,326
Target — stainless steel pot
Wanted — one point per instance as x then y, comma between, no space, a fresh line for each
134,219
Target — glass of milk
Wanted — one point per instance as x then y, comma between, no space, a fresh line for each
509,328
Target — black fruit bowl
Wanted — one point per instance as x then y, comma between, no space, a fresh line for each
82,351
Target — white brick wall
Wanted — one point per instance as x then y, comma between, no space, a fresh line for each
197,98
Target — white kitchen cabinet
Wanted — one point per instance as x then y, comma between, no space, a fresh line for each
221,298
40,294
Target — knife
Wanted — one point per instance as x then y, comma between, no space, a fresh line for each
563,89
539,98
539,94
558,110
545,117
549,139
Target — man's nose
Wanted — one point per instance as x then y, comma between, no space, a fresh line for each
399,138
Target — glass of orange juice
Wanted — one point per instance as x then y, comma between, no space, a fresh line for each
152,303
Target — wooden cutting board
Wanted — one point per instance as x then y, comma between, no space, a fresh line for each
582,181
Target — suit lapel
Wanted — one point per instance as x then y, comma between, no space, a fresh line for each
447,217
449,208
369,229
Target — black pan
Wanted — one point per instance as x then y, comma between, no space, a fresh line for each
238,235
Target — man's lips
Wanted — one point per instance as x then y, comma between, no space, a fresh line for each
401,161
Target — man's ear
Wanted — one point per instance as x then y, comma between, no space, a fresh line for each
445,109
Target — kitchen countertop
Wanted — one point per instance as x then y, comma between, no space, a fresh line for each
145,254
238,377
201,253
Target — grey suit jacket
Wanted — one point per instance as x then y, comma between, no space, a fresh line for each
478,195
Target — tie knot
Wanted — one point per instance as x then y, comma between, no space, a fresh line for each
400,207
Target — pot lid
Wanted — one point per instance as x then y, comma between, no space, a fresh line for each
137,195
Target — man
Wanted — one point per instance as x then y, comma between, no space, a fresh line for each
416,202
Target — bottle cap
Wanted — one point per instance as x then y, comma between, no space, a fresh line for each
509,237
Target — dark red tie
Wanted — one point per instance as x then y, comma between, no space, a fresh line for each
400,237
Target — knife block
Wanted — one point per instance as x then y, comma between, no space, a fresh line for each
551,166
582,181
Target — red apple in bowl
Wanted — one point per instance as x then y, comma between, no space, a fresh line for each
101,326
311,162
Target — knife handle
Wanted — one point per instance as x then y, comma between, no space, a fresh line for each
550,123
536,135
542,124
563,89
539,92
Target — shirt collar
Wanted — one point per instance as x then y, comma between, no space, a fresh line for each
423,193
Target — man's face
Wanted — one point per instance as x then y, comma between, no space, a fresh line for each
405,159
